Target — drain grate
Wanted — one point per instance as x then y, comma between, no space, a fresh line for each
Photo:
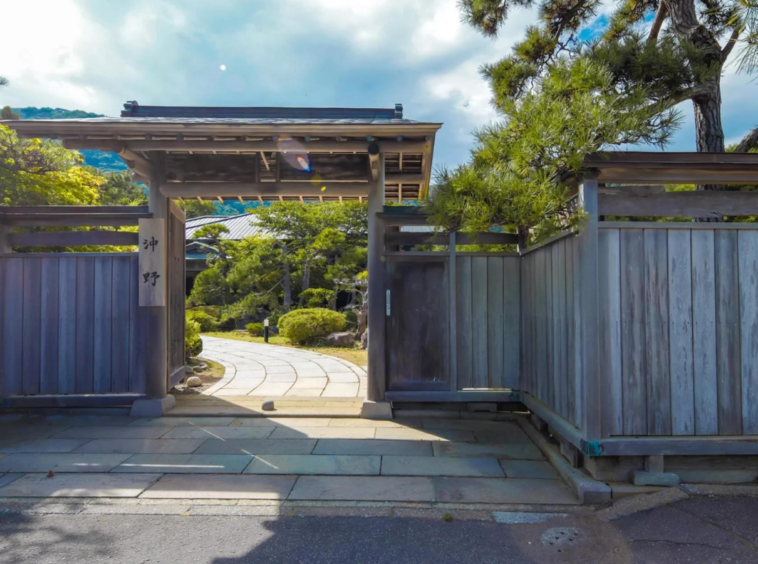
562,537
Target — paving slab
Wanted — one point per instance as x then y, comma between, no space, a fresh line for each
127,432
351,422
61,462
340,390
304,393
221,487
218,433
349,488
405,434
507,435
41,445
363,447
6,479
324,465
439,466
343,378
141,446
507,451
186,463
496,490
256,446
529,469
183,422
79,485
281,422
323,433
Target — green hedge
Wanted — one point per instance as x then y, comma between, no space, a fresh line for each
307,325
193,346
255,329
204,320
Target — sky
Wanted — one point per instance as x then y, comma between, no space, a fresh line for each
94,55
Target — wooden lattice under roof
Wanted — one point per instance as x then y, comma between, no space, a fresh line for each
255,153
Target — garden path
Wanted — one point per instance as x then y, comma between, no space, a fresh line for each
261,370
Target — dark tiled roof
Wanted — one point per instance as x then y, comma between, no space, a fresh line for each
240,226
299,115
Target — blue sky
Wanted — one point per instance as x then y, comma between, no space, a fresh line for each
94,55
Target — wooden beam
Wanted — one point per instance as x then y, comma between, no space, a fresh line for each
405,238
704,203
265,161
680,446
498,396
260,199
51,220
73,210
234,189
686,225
220,199
377,377
325,146
632,189
73,238
677,175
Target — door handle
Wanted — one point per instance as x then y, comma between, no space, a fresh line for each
387,307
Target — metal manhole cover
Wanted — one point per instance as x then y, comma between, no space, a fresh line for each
562,537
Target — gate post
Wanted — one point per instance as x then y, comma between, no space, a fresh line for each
375,407
154,322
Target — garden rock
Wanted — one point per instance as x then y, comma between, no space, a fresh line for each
188,370
194,382
364,340
268,405
343,339
198,370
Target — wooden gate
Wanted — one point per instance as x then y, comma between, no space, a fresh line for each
417,325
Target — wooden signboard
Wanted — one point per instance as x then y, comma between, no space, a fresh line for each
152,262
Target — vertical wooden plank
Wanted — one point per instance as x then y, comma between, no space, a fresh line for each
657,333
495,319
67,296
512,332
523,324
13,319
465,324
85,319
452,309
559,327
121,300
479,320
748,253
610,331
579,313
49,326
680,332
728,343
570,333
137,332
549,321
633,331
31,325
540,336
103,308
704,332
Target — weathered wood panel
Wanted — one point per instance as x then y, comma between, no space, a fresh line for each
633,332
480,362
704,333
66,325
748,251
464,308
511,321
495,321
688,347
610,330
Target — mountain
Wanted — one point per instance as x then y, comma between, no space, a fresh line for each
104,160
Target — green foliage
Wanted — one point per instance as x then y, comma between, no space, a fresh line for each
227,323
318,297
194,208
193,346
207,322
7,113
255,329
304,326
120,190
210,288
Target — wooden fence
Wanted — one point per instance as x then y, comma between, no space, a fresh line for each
679,328
70,324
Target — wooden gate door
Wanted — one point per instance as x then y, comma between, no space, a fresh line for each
417,325
176,290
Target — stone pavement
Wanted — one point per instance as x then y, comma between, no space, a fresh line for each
261,370
298,459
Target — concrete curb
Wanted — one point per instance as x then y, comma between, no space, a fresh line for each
587,489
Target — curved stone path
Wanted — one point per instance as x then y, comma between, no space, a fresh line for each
257,369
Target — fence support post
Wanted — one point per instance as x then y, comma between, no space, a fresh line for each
375,407
155,324
588,245
452,310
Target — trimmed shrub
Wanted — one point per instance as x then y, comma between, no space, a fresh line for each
193,346
351,320
307,325
255,329
227,324
204,320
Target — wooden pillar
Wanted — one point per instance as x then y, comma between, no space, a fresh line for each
594,381
377,377
5,247
155,317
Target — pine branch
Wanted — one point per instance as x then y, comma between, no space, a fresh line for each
660,17
727,50
750,141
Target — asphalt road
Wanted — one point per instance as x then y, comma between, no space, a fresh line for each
701,530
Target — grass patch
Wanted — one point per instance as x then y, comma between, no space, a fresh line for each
355,355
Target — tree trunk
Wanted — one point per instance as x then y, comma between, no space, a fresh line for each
306,281
287,281
709,132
